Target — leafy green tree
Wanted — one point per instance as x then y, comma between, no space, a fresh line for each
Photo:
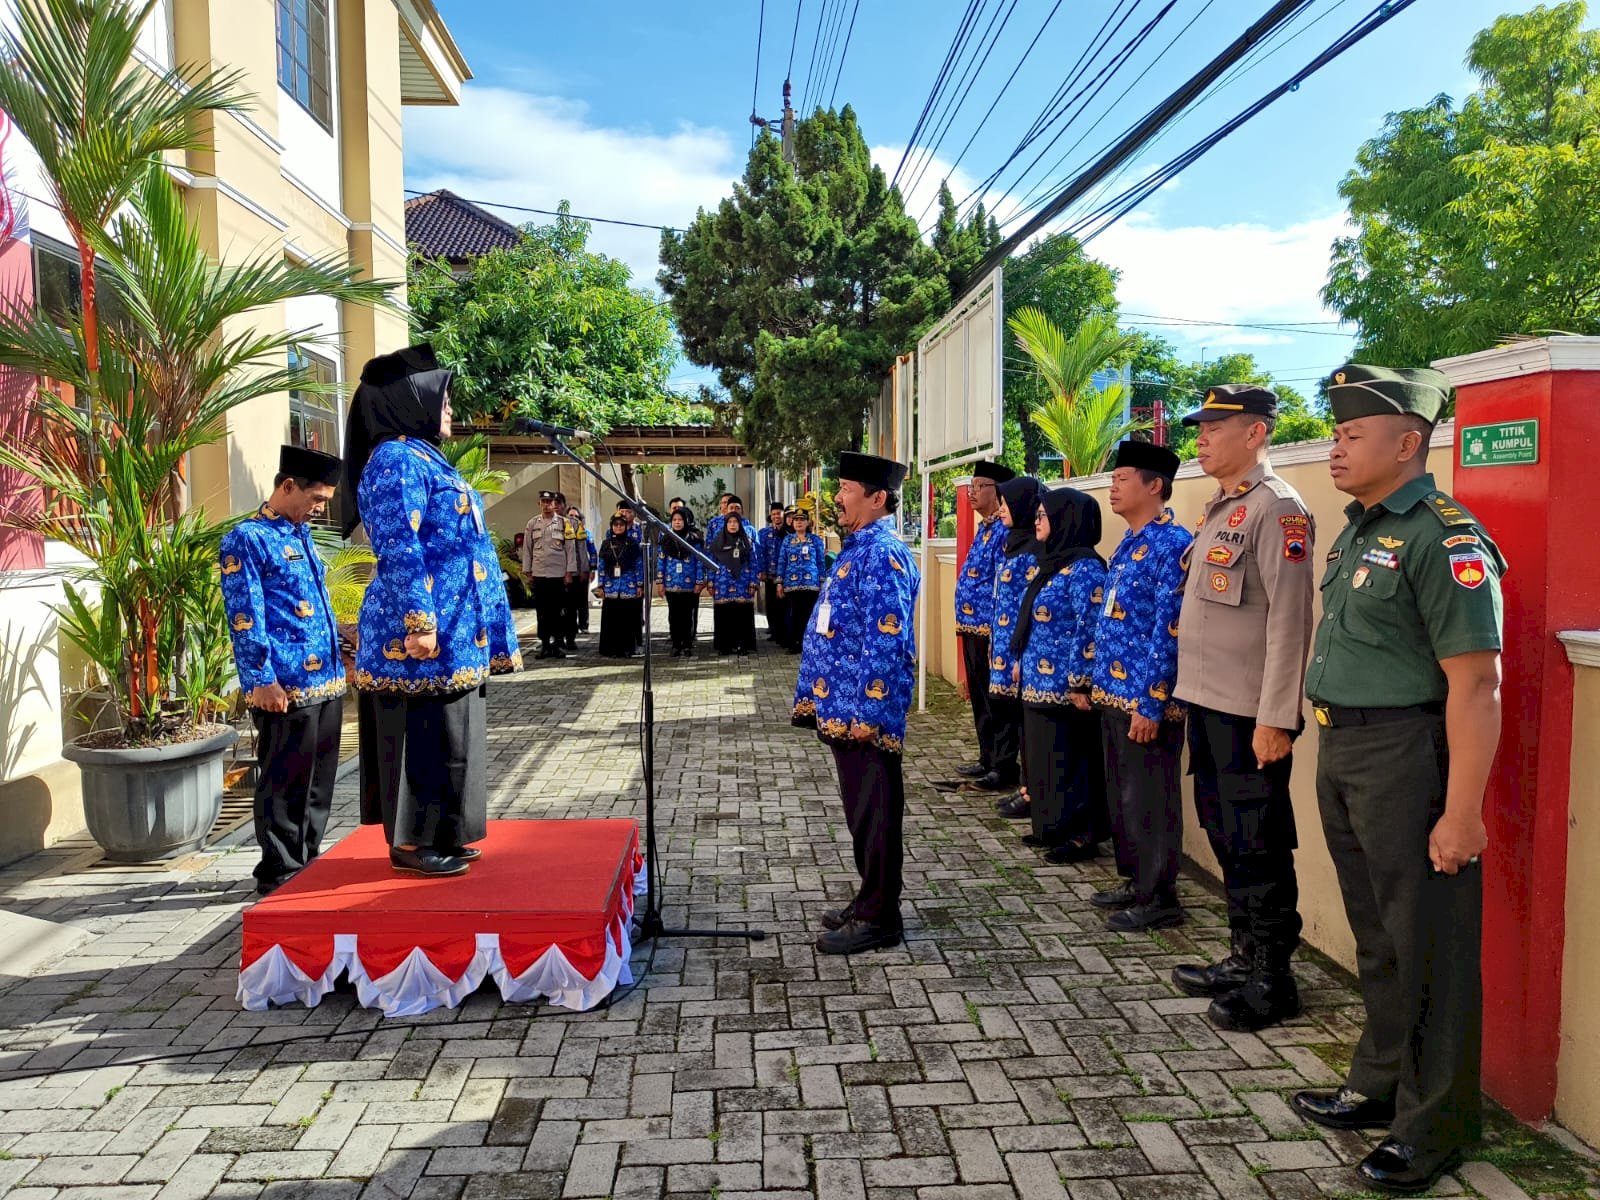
1083,422
962,245
1158,371
800,289
1481,222
1056,277
548,329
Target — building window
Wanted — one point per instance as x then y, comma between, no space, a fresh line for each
58,285
304,64
313,416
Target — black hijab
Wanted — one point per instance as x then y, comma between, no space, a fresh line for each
671,547
618,549
1022,497
400,395
1074,534
724,545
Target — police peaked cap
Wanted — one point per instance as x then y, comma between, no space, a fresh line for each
1230,399
870,471
1146,456
992,470
310,464
390,368
547,495
1361,391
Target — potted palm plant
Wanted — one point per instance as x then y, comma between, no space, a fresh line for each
130,399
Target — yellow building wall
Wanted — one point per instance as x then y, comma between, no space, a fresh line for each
1304,466
1578,1065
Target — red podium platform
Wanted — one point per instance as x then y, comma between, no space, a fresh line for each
545,912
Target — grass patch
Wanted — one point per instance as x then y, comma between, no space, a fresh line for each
307,1121
1303,1134
1149,1118
793,1070
111,1093
972,1014
1537,1164
1335,1054
872,1049
714,1136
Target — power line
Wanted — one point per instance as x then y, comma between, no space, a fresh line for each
755,91
848,34
811,66
788,72
956,44
829,47
549,212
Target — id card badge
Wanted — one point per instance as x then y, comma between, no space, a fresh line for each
616,572
1111,603
824,615
477,515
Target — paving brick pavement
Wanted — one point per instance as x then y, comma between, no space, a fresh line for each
1011,1049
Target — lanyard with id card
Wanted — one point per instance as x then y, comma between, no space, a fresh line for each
824,610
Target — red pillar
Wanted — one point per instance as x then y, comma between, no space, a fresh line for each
1536,513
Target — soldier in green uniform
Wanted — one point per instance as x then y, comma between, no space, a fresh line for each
1405,686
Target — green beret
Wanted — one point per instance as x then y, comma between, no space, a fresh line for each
1357,391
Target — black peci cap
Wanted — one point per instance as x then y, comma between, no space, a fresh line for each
871,471
310,464
992,470
1144,456
1231,399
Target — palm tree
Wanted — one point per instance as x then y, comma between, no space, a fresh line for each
1083,422
108,467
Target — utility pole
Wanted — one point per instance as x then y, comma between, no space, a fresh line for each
786,123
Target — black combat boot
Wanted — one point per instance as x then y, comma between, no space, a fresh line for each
1215,979
1267,997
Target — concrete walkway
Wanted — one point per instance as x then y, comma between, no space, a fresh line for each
1011,1048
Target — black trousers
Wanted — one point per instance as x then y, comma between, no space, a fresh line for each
975,659
798,607
1144,785
1418,933
776,621
733,627
297,755
1249,821
576,607
873,789
549,599
680,618
423,773
1005,718
1064,774
621,626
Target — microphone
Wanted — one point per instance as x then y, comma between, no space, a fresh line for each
529,425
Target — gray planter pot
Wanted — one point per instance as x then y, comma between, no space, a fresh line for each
151,803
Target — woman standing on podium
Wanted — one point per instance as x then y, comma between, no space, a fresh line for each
435,623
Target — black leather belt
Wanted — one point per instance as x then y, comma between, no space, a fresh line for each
1332,716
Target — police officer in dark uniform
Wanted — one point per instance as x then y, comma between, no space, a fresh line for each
1242,644
1404,684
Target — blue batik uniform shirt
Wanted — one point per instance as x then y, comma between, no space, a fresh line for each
677,574
768,544
279,613
1010,582
729,587
1059,656
975,583
802,560
858,666
1136,632
438,572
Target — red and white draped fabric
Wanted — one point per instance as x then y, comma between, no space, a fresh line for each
545,913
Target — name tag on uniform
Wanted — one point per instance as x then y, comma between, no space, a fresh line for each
616,572
477,515
824,616
1111,603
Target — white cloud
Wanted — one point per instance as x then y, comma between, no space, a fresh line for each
520,148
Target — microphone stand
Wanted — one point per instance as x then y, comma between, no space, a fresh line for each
650,924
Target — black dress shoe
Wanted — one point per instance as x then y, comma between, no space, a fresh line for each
855,936
425,862
1344,1109
556,652
1139,917
1037,842
1072,852
838,918
1018,808
972,771
265,887
1214,979
1114,898
1397,1167
985,783
464,853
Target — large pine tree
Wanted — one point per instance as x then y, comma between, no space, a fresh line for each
800,289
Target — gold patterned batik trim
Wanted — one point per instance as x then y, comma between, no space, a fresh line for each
1078,682
463,680
804,714
1032,695
834,729
421,622
504,664
974,630
1008,690
315,695
1171,711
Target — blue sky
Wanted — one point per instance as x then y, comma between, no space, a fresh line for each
639,111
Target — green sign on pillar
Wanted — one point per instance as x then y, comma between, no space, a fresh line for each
1503,444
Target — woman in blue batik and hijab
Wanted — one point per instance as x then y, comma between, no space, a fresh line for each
1063,773
678,580
621,589
802,560
733,588
1017,568
435,624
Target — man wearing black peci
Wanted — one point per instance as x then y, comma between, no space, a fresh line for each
975,607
